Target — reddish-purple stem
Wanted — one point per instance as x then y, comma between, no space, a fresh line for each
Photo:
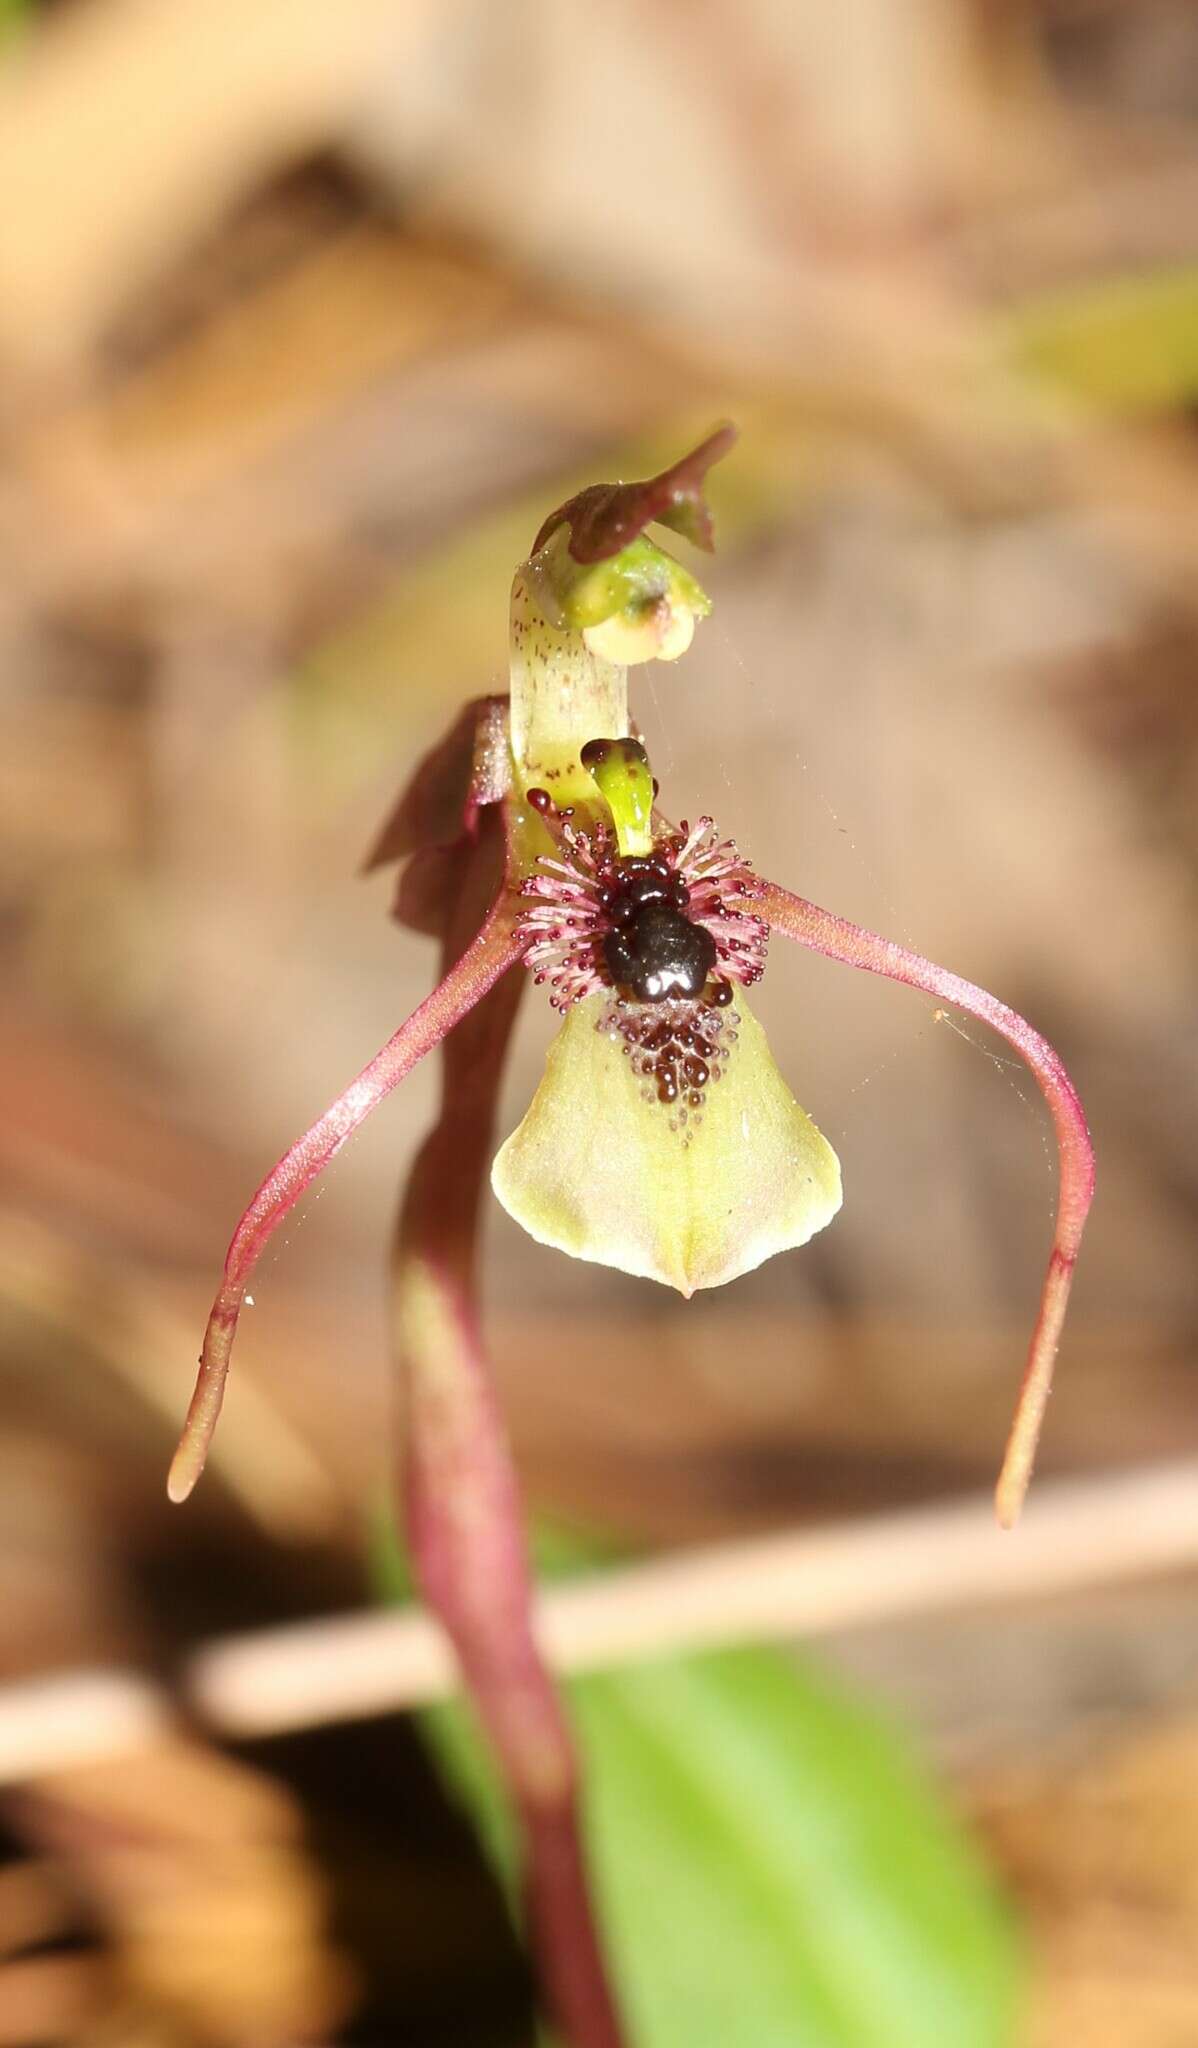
840,940
491,953
465,1534
463,1509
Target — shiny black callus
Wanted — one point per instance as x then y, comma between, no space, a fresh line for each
658,953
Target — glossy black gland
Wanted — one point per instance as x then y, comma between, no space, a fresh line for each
642,880
659,953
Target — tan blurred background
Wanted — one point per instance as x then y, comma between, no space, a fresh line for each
307,314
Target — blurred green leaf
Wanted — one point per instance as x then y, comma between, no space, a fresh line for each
1129,345
772,1868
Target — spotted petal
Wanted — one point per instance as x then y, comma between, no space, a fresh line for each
595,1170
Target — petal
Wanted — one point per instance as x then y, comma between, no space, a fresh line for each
596,1171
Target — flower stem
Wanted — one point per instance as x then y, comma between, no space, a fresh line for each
494,949
463,1509
840,940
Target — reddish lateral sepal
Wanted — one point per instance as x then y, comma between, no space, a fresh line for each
839,939
495,949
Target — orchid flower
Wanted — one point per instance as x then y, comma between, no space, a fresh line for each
662,1139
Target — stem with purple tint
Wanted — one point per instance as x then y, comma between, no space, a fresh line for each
836,937
463,1508
491,953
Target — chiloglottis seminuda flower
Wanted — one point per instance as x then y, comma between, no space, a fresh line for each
662,1139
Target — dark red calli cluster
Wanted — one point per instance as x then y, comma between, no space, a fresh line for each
655,928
